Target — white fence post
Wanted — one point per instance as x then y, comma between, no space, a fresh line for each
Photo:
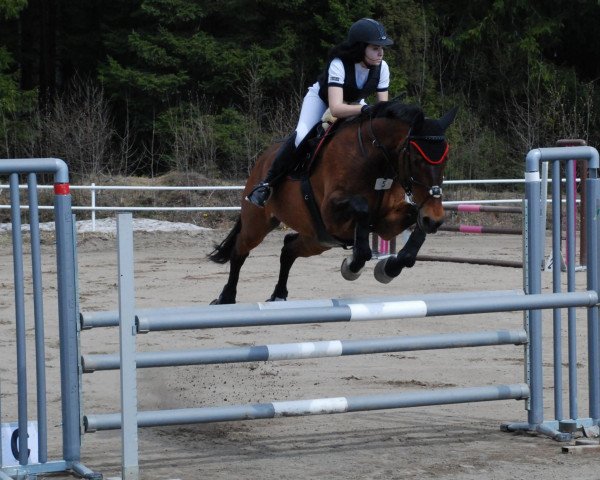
93,207
127,334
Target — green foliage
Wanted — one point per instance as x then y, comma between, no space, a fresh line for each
15,129
199,85
172,12
476,151
154,85
11,8
9,89
234,133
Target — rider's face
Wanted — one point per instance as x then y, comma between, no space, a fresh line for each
373,55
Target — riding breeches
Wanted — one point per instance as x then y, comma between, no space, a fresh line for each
313,109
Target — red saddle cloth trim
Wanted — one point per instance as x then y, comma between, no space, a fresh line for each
320,144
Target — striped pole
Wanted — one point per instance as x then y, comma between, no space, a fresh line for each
365,311
318,406
480,229
476,208
305,350
111,318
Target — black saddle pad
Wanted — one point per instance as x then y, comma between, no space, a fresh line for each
306,153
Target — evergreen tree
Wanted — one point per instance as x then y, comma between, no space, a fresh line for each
13,100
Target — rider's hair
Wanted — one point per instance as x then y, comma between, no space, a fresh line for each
353,52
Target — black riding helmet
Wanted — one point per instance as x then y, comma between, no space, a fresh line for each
367,30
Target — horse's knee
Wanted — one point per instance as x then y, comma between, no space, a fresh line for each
406,259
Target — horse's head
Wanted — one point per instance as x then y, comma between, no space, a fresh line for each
422,154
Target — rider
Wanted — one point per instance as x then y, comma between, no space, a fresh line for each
355,70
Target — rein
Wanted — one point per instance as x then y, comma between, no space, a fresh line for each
376,143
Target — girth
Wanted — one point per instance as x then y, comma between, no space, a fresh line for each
323,236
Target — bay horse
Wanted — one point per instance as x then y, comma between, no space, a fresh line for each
380,172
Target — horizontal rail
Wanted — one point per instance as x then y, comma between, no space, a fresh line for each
480,229
216,209
157,209
94,189
492,181
135,209
475,208
139,187
111,318
365,311
320,406
472,261
304,350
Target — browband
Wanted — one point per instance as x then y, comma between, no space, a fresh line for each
431,138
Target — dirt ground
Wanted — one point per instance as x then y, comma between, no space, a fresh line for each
445,442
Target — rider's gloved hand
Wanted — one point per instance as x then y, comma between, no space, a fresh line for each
366,110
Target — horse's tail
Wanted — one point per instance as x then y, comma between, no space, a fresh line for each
222,252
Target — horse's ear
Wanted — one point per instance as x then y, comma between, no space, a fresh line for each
417,121
447,119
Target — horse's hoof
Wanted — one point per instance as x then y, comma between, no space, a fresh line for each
276,299
380,274
347,273
222,300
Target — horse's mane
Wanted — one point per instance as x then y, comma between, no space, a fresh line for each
411,114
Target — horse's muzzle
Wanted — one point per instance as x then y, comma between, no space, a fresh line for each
429,224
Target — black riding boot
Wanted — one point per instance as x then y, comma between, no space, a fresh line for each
282,163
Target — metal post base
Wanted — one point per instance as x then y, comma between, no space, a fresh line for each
84,472
545,428
32,470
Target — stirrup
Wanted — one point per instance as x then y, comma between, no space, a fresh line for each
259,195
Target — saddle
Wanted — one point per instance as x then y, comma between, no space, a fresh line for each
308,150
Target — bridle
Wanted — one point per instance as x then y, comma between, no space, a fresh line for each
409,142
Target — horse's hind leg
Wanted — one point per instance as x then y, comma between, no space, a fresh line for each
229,291
389,268
236,248
294,246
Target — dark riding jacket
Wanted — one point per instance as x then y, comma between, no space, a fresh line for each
351,91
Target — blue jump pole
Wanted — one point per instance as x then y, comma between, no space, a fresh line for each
533,195
68,319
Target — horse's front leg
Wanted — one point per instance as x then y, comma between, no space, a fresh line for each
389,268
361,250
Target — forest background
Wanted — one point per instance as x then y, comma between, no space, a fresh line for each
146,87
